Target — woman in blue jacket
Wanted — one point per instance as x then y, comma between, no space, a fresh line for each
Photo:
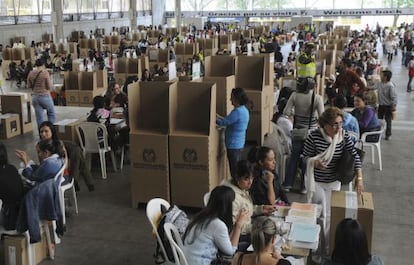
236,125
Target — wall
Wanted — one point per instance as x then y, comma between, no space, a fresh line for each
35,31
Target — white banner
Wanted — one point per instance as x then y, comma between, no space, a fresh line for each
296,12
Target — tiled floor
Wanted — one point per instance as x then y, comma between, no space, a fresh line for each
108,231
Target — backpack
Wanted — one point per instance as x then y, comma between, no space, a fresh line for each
179,219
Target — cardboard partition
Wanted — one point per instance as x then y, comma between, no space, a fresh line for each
7,54
115,39
18,54
72,96
102,79
134,66
224,41
66,129
191,48
210,52
87,81
144,63
107,39
153,54
183,118
19,103
269,65
250,72
149,104
15,250
224,86
349,205
92,44
29,54
261,111
220,65
86,96
179,48
121,65
9,125
83,43
164,55
72,80
149,169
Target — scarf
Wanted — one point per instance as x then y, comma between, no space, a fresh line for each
324,156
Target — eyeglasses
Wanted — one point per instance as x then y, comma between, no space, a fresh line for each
336,125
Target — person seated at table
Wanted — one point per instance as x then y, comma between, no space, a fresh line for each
76,161
119,98
351,246
212,231
241,184
263,239
367,118
11,191
266,188
51,157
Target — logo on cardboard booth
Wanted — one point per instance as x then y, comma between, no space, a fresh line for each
148,155
190,155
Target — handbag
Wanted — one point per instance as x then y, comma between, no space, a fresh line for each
300,134
222,259
345,166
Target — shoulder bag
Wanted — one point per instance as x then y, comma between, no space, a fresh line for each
300,134
34,81
345,166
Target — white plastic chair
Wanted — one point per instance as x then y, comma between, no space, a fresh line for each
91,143
206,197
176,243
374,145
62,189
153,214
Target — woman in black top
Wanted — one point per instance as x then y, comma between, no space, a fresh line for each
266,188
11,190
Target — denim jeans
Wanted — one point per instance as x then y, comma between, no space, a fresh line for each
41,103
294,162
234,156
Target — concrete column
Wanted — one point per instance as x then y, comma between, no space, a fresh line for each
57,20
158,9
178,15
132,14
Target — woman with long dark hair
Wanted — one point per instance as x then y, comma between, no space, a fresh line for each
212,230
351,246
77,165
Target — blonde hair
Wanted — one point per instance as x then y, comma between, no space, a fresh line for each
263,230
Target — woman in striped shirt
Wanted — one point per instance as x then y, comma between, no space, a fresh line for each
323,149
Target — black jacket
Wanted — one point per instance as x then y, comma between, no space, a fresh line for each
258,190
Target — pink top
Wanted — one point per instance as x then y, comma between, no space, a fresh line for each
43,83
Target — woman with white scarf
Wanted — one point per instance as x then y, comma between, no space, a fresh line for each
323,148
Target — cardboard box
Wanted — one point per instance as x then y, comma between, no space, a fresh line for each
18,54
86,96
149,140
134,66
197,158
72,96
345,204
15,250
221,65
9,125
66,129
224,86
19,103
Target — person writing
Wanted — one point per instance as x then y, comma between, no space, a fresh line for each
236,125
241,185
212,230
263,240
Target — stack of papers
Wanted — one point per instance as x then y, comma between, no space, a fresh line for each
302,213
304,235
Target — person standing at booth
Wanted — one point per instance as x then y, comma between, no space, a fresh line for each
40,83
305,65
236,125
